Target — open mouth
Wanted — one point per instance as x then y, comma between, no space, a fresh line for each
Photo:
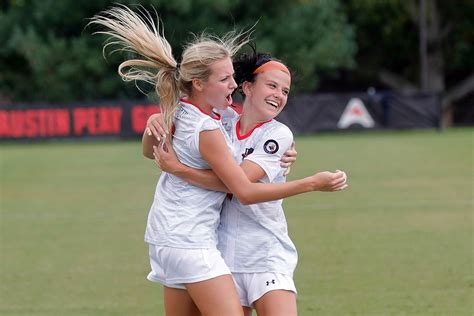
272,103
228,98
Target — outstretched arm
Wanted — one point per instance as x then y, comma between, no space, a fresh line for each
214,150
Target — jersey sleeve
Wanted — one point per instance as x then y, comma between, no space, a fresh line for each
270,148
228,113
228,117
206,124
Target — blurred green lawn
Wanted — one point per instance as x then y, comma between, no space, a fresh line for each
399,241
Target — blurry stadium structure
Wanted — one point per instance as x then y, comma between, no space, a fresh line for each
303,114
329,112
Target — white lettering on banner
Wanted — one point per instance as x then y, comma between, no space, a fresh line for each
355,113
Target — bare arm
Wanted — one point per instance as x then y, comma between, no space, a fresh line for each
148,141
153,134
167,160
214,149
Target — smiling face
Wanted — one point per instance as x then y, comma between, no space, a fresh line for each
216,91
266,97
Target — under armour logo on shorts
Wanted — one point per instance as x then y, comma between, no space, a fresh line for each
272,282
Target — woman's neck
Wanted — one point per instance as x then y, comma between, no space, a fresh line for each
201,103
248,121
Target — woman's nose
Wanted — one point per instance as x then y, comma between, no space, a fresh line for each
233,83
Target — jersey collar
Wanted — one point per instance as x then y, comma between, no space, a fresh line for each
217,116
237,127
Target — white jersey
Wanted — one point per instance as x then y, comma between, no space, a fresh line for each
183,215
229,118
254,238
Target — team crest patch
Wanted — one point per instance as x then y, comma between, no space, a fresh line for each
270,146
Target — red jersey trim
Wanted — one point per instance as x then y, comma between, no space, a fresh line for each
202,111
240,137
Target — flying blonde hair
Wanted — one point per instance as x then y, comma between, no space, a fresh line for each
138,34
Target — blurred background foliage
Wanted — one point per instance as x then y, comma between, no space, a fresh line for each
48,54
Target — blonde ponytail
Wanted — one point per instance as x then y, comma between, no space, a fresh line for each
140,35
155,64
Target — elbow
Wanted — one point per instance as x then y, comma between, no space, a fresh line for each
245,201
148,154
245,198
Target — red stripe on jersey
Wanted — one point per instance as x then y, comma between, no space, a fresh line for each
237,127
202,111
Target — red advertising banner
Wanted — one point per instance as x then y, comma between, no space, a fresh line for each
37,121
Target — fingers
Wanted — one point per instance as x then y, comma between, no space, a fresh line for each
155,127
157,156
166,145
165,150
286,164
342,188
156,130
290,153
343,175
327,181
151,131
159,128
158,152
288,159
162,155
162,149
339,181
287,171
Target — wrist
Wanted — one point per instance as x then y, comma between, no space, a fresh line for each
309,185
179,170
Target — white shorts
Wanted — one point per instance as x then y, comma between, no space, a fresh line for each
174,267
252,286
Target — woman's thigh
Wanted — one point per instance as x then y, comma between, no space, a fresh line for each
216,296
178,302
277,303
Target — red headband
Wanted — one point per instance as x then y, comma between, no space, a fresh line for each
271,65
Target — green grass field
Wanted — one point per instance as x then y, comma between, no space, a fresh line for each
399,241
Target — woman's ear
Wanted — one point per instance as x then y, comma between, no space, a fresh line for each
247,88
197,85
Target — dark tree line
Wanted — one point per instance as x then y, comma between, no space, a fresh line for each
409,46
